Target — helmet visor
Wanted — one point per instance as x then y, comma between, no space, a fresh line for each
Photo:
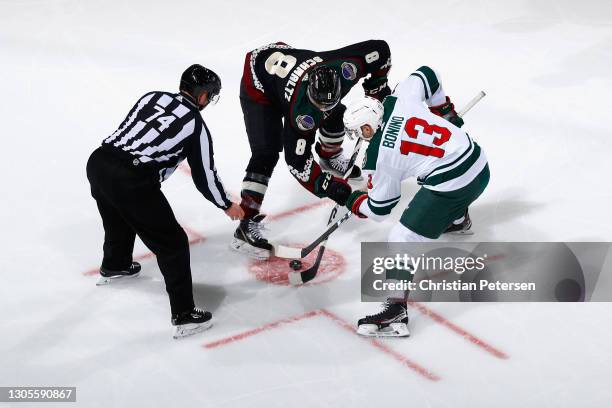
213,98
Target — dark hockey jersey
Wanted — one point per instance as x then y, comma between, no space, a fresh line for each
279,71
277,74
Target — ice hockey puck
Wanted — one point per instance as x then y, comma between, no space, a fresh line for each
295,264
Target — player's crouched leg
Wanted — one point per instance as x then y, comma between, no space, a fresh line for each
392,320
248,237
430,213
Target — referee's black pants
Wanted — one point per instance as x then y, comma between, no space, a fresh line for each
130,202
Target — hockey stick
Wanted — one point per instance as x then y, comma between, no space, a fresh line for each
471,103
298,278
283,251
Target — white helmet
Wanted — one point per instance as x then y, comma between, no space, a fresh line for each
366,111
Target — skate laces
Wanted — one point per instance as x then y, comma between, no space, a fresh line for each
385,308
256,228
197,310
339,163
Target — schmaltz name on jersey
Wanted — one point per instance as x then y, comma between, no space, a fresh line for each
297,73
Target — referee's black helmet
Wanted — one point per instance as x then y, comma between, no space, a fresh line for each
197,79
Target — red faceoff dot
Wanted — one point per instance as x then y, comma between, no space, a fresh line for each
276,270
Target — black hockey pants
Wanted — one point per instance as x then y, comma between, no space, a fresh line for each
130,202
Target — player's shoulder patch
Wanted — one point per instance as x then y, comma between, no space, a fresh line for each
305,122
349,71
302,115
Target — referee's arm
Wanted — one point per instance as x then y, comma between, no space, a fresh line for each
203,171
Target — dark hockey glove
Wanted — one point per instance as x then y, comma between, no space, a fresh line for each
336,189
447,111
376,88
355,200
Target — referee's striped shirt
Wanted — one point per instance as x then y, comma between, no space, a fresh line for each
163,129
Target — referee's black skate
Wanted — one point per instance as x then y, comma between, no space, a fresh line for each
461,228
249,240
392,321
107,276
191,322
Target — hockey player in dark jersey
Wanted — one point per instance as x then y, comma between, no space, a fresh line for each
287,94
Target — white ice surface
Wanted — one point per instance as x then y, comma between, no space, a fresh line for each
70,71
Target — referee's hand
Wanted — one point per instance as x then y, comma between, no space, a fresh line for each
235,212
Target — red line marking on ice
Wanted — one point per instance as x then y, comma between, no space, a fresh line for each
405,361
298,210
341,323
458,330
260,329
383,347
194,238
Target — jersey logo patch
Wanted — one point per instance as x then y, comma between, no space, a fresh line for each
349,71
305,122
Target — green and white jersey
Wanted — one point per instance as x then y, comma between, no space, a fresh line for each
413,142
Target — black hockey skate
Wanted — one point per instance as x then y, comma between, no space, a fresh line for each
249,240
462,228
191,322
338,164
107,276
392,321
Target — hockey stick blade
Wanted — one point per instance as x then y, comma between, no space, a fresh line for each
299,278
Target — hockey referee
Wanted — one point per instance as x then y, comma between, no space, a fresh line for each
126,172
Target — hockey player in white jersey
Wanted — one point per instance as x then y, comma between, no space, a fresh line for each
414,133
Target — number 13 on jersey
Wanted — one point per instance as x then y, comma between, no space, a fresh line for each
414,128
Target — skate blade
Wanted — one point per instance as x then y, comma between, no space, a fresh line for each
185,330
104,280
246,249
393,330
